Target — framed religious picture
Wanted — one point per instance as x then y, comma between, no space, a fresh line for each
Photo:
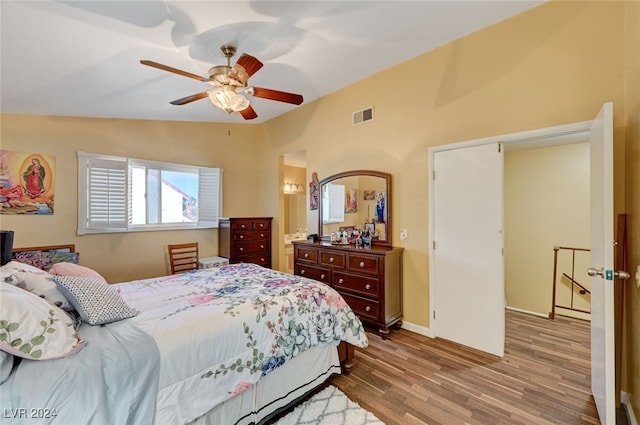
26,183
313,192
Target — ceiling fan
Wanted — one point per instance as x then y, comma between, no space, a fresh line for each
230,85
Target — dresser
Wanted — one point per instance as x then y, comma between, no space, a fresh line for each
245,240
369,279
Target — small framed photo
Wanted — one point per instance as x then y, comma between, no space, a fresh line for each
369,195
370,228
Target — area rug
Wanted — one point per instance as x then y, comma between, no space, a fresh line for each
329,407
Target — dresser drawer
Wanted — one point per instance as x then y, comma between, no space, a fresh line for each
363,263
249,236
308,255
261,259
362,307
333,259
250,224
315,273
366,286
251,247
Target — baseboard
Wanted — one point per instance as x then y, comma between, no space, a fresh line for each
533,313
415,328
624,399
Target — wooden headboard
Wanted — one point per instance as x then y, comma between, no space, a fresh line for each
48,248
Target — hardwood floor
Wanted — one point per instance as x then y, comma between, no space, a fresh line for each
544,377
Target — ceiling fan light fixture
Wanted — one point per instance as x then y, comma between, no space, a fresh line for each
228,100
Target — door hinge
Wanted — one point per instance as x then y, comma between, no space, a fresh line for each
434,245
433,175
434,315
499,147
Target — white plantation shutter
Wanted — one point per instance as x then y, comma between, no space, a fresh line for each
209,200
333,203
103,185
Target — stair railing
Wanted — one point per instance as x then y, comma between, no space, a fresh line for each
574,283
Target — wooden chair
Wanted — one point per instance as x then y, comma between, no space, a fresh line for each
183,257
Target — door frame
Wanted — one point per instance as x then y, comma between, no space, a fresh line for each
519,137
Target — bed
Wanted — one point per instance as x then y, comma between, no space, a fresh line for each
230,345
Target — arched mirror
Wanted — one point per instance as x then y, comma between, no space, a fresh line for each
356,200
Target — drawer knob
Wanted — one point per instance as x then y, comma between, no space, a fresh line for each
241,236
367,286
306,255
367,308
341,280
322,276
243,226
302,271
241,249
262,259
361,263
262,246
331,260
262,235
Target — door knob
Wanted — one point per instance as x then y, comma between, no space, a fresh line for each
591,271
620,274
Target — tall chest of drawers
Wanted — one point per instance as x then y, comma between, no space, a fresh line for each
370,280
245,240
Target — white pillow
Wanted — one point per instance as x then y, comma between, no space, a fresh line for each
32,328
96,301
36,281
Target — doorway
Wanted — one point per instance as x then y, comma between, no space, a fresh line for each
601,166
295,200
539,138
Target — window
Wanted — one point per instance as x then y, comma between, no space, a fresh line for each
333,203
123,194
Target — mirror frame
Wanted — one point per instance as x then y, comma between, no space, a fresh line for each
354,173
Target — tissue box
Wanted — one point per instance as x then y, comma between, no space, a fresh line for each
211,262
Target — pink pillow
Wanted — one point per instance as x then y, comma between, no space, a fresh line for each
70,269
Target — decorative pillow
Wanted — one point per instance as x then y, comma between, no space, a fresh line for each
95,301
6,366
36,281
44,260
32,328
70,269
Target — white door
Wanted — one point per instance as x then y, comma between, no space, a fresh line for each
468,262
602,246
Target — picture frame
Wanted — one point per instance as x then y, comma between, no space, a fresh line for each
369,195
370,228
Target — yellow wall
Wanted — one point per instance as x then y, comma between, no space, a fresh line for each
631,354
126,256
553,65
546,196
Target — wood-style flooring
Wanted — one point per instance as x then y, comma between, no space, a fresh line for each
544,377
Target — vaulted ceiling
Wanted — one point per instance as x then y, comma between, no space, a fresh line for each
82,58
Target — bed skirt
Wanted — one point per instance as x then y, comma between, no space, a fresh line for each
277,391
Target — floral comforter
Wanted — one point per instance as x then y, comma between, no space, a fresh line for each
220,330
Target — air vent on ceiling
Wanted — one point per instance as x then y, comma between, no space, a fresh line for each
363,116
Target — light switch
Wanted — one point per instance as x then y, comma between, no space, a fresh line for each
404,235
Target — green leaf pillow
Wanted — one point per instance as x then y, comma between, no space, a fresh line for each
32,328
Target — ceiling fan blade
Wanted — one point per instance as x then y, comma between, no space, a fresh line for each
174,70
190,99
249,63
280,96
249,113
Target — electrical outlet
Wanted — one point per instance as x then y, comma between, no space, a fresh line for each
404,235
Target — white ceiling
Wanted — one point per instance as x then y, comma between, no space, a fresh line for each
81,58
